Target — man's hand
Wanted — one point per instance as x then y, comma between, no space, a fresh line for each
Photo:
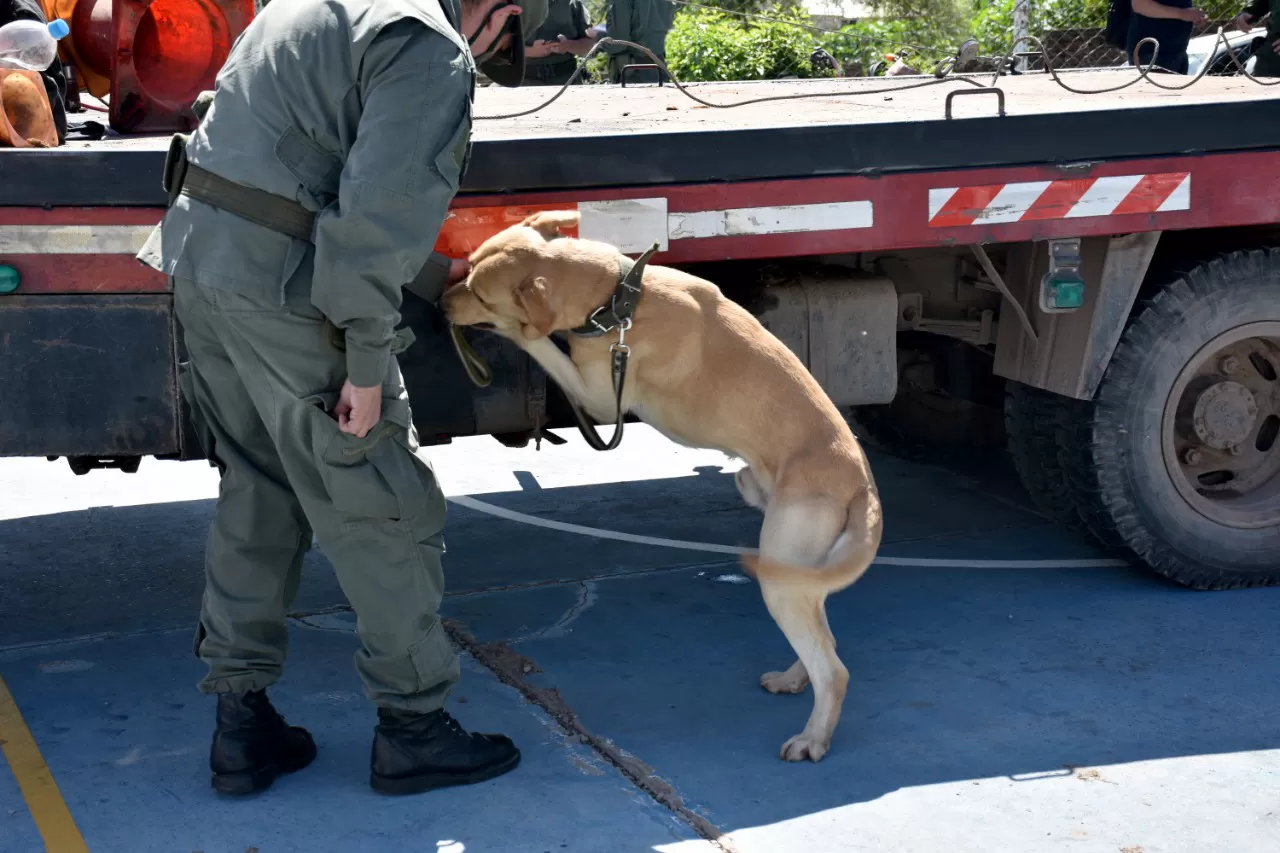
576,47
1195,16
490,35
1243,22
541,48
358,409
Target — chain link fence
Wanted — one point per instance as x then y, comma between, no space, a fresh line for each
723,40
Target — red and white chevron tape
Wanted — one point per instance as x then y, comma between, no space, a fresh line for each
1064,199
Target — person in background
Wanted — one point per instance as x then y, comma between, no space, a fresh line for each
1170,22
565,37
1268,53
55,80
644,22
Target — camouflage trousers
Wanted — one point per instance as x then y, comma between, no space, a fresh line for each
262,381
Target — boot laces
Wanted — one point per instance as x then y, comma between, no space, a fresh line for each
453,726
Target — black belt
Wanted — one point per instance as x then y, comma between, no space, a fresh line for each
546,71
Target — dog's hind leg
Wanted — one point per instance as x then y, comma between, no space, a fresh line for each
801,534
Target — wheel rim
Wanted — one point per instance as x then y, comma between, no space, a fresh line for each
1221,428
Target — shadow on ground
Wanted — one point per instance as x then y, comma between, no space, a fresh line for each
120,569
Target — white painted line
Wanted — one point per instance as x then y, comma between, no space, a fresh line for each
73,239
916,562
633,225
758,221
563,527
1179,199
1104,196
1012,202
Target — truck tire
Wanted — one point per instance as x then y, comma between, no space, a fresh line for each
1033,419
1175,461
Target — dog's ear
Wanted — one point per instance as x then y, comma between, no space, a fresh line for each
549,222
534,298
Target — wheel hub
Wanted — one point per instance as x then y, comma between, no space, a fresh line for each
1224,415
1221,439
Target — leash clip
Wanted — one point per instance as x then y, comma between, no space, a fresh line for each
621,345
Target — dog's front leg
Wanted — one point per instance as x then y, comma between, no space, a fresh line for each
558,366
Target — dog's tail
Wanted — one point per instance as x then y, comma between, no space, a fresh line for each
848,560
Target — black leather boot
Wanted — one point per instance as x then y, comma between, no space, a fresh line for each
415,752
252,744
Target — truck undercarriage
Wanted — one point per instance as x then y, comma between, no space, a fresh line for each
1089,282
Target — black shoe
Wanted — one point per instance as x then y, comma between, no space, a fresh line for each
252,744
415,752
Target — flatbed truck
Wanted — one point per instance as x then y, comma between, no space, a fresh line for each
1090,282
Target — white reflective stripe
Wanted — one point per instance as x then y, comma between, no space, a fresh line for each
73,239
938,198
633,225
1012,201
1104,196
757,221
1179,199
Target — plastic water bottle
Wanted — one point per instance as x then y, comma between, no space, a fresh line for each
31,45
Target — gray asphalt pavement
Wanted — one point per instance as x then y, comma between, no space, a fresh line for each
1012,689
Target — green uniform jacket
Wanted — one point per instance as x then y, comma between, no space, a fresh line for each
645,22
365,117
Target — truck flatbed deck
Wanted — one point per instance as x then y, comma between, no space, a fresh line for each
600,136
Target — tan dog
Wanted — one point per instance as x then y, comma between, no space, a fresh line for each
705,373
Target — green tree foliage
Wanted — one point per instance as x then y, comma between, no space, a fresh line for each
708,44
768,39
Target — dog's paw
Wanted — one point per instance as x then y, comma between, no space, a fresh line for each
784,682
804,746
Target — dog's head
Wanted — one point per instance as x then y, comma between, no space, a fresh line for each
509,287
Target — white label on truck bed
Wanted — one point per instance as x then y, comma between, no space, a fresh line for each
73,239
633,225
756,221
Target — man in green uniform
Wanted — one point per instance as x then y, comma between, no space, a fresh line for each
1268,53
563,39
312,191
645,22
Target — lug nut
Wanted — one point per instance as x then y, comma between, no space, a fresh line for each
1229,365
1235,450
1191,456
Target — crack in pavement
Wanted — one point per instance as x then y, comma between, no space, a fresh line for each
585,601
510,667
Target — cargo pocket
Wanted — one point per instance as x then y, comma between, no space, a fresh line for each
374,478
433,659
315,168
452,161
199,424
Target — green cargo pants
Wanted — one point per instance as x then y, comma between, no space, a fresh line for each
261,381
